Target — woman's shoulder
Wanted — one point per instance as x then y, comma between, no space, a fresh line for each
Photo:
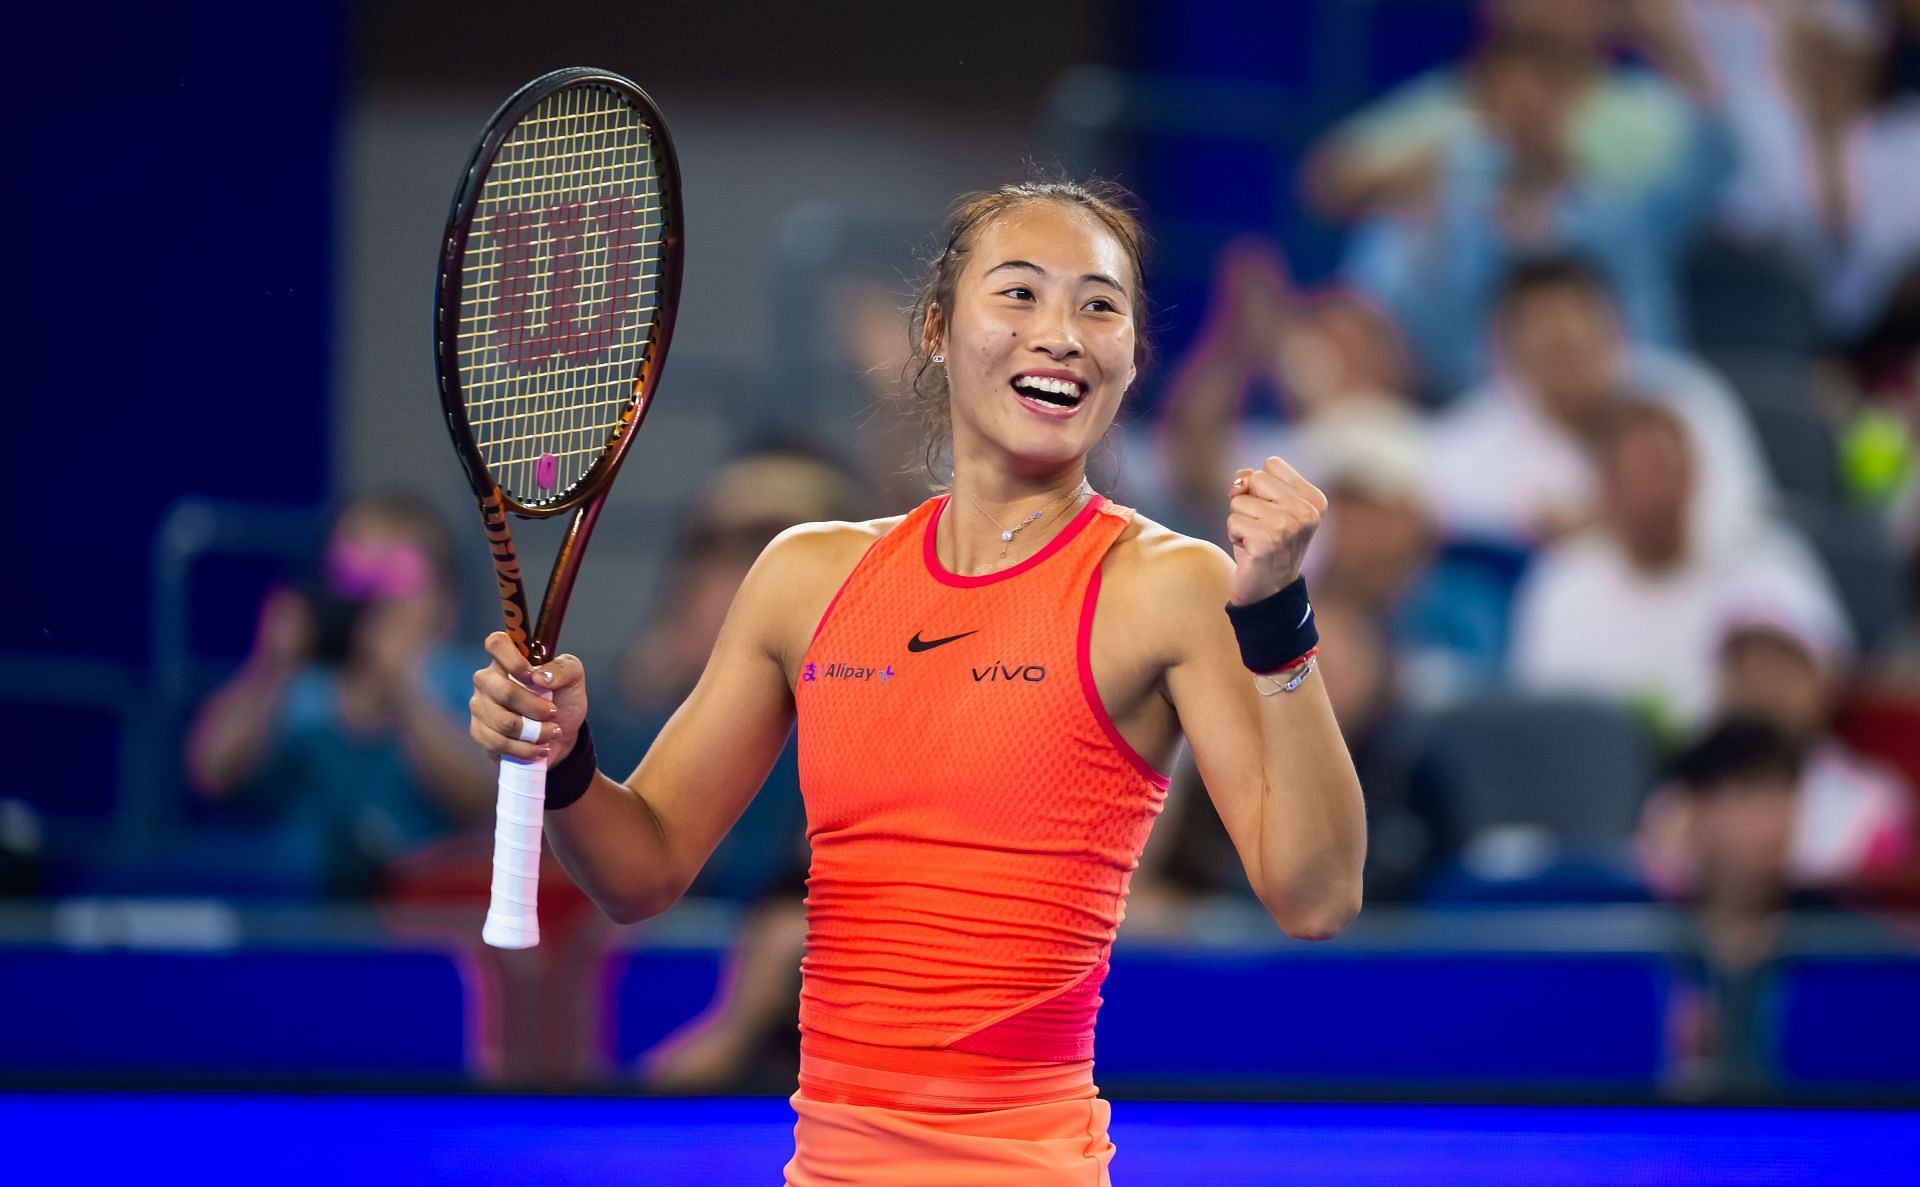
1159,587
825,540
790,587
825,551
1159,563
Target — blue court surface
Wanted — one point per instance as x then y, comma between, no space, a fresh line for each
478,1141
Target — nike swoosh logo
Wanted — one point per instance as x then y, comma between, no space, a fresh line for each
918,644
1304,617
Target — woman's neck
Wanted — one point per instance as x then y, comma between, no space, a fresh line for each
997,520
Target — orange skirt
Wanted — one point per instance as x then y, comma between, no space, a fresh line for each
1059,1143
883,1116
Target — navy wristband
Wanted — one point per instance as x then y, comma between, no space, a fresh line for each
569,779
1276,632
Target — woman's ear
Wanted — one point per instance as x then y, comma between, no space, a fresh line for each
933,331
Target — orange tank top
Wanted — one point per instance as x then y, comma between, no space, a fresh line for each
974,815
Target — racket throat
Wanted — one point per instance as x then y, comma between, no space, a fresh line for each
506,571
566,566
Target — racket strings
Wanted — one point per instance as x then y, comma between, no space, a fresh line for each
560,288
556,417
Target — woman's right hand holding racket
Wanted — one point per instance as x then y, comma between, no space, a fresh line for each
504,702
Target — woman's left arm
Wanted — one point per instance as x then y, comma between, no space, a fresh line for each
1275,765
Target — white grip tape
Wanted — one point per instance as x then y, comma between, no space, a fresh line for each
511,918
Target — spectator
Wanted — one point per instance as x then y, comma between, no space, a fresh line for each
1634,607
1379,549
1313,355
339,745
1511,463
1784,664
1623,127
1507,193
1829,149
1340,376
1739,785
1235,354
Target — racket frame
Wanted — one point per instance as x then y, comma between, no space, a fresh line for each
538,639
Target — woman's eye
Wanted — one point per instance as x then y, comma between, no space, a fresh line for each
1017,293
1102,305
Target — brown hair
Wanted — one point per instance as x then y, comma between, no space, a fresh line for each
1548,273
1112,204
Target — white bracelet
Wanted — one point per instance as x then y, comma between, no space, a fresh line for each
1291,683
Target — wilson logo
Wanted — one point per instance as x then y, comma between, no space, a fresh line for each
998,672
568,278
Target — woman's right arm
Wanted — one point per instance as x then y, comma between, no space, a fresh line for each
634,846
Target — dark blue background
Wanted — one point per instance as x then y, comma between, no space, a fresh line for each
169,291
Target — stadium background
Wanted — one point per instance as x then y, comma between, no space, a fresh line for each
223,224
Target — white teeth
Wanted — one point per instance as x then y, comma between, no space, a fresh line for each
1044,383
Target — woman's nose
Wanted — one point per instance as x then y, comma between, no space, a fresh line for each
1054,333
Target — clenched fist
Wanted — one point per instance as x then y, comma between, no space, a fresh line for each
1272,515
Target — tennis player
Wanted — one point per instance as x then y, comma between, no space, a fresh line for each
988,690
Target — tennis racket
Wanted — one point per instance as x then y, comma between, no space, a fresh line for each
558,279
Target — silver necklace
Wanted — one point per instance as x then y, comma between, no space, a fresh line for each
1007,534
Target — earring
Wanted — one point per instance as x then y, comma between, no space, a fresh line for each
938,358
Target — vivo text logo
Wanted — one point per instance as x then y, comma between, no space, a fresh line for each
997,672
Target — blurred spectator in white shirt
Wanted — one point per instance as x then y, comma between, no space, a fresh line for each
1784,662
1828,143
1634,608
1379,550
1511,463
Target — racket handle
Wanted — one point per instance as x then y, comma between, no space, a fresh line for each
513,920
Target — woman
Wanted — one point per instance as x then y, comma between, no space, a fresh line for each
987,690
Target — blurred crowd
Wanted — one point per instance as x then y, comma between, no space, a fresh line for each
1614,399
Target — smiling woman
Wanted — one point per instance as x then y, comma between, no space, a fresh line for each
975,813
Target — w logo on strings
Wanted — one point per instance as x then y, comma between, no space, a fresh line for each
568,277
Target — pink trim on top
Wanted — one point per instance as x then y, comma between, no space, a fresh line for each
1083,651
947,577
